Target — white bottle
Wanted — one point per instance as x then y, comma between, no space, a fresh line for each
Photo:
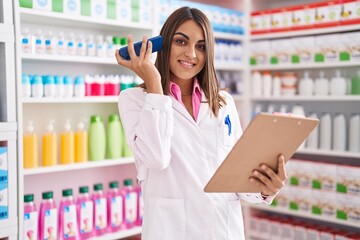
322,85
70,45
39,42
339,130
91,50
325,131
68,87
80,45
26,42
338,85
79,87
354,133
49,86
312,142
100,46
306,85
276,85
25,86
283,108
60,44
59,86
109,46
298,110
49,43
267,84
271,108
256,84
37,88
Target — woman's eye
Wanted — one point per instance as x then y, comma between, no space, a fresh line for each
201,47
181,42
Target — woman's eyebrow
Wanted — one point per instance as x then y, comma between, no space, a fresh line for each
186,36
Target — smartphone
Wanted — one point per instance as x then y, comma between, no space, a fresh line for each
156,46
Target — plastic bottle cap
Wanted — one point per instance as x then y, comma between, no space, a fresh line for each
58,79
95,118
67,192
25,79
81,126
128,182
116,40
114,117
114,184
29,198
37,79
47,195
68,80
306,74
98,187
67,125
79,80
123,41
322,74
50,126
30,127
84,189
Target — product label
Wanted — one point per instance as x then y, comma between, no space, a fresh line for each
100,213
30,226
70,223
116,211
130,207
350,10
50,224
86,217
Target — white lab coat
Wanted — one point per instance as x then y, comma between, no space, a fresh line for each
175,158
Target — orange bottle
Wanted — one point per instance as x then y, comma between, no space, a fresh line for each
30,147
49,146
67,152
81,144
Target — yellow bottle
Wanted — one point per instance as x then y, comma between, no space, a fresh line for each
67,145
49,146
81,144
30,147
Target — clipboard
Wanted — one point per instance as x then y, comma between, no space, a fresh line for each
267,136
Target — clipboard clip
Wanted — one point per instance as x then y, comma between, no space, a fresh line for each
228,123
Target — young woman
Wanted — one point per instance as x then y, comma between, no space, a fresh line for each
175,126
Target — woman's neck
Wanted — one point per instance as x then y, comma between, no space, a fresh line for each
186,86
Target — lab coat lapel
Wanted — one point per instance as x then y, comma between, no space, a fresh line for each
177,106
204,107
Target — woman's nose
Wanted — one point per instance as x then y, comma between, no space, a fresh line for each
190,52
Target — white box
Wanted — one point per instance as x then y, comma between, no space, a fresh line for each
304,48
123,11
260,52
350,43
282,50
45,5
72,7
348,180
324,177
328,46
324,204
300,173
348,208
3,165
328,13
99,9
145,16
4,206
350,11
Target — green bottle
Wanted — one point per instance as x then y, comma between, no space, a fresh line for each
355,84
97,139
114,139
126,149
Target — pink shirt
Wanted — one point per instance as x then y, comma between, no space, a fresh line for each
175,91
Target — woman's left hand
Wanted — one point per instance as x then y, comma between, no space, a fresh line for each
269,181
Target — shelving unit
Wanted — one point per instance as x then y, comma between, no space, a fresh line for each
120,235
87,99
69,59
8,125
348,98
306,66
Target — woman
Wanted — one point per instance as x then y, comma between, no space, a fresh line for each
174,123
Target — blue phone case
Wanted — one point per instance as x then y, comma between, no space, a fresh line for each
156,46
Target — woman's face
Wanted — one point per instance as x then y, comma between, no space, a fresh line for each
187,55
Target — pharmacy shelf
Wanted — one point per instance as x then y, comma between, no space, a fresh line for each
6,32
70,59
81,22
229,66
305,66
329,153
8,126
315,31
228,36
238,97
79,166
92,99
348,98
8,231
301,214
120,235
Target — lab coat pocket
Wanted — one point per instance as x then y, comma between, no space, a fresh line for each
235,224
226,131
166,219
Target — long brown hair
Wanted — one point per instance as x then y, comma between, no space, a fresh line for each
207,76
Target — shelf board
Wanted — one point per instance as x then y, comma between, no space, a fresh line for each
329,153
314,31
301,214
8,126
71,59
90,99
229,66
305,66
120,235
67,20
79,166
349,98
6,32
229,36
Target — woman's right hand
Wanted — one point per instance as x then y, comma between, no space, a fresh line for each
142,65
